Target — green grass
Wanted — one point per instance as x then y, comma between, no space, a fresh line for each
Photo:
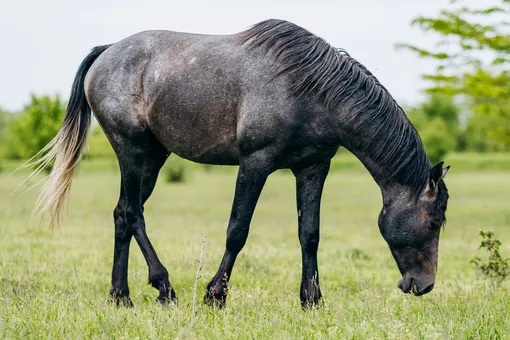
55,285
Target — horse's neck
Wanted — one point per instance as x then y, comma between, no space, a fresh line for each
387,174
374,168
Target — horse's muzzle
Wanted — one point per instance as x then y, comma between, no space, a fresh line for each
408,284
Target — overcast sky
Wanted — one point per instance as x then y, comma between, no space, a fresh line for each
44,41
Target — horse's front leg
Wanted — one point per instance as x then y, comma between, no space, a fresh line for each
250,181
309,185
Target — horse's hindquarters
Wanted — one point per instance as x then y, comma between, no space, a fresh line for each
184,87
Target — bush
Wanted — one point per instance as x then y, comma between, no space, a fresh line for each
436,120
496,267
4,118
174,170
29,131
437,140
477,136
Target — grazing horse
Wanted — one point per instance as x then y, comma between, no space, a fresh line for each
271,97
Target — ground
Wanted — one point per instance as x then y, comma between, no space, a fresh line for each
55,284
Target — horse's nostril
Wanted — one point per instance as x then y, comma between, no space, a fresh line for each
426,290
401,284
406,285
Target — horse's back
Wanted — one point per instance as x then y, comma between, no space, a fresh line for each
184,87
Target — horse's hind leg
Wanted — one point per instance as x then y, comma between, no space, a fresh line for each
140,159
119,290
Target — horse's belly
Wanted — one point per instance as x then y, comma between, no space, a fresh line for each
203,136
205,150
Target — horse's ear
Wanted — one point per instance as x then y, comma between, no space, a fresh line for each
437,173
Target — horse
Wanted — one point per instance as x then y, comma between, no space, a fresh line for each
274,96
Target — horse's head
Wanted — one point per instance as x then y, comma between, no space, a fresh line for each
411,228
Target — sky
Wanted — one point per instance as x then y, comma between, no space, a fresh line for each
43,42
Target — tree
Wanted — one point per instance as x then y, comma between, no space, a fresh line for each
4,117
437,140
442,107
437,123
34,127
481,80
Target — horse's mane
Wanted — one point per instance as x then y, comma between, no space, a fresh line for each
334,78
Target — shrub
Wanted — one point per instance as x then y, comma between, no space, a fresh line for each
174,170
437,140
496,267
30,130
437,123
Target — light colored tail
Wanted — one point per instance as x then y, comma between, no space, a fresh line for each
66,149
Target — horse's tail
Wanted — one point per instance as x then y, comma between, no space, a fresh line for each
66,148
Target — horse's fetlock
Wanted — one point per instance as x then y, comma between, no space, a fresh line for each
216,294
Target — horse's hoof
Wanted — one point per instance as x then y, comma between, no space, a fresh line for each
312,303
171,298
122,301
165,302
215,298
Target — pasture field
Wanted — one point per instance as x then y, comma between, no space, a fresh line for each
55,285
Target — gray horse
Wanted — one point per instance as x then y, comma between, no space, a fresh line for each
274,96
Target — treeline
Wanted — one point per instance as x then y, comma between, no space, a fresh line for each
473,61
24,133
445,126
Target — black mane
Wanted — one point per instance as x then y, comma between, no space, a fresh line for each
335,78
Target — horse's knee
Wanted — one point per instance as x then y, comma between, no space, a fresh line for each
134,216
118,214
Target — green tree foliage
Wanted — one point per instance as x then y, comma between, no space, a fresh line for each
442,107
437,140
4,117
30,130
482,80
437,123
474,136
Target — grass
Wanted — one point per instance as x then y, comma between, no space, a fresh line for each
55,285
